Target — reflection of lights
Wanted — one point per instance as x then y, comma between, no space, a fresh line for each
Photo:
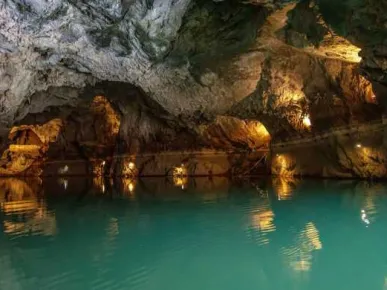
131,165
19,206
358,145
300,256
103,163
64,182
113,229
306,121
263,221
63,169
301,266
364,217
313,236
180,181
99,183
180,176
129,185
283,187
41,222
23,212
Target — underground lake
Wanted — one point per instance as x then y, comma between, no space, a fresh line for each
155,233
193,144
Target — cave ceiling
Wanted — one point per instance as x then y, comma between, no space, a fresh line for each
266,60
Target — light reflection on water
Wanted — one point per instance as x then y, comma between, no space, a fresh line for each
210,234
25,212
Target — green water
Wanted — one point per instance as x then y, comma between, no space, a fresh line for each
266,234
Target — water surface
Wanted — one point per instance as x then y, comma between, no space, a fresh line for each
192,234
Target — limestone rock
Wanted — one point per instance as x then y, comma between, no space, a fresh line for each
189,75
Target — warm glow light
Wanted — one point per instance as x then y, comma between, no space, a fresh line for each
98,167
103,110
282,166
264,220
313,236
300,256
99,183
283,187
28,145
302,266
358,145
261,131
180,171
20,205
129,169
39,222
24,148
63,169
306,121
180,176
180,181
131,187
64,182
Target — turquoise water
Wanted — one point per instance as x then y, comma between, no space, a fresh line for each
201,234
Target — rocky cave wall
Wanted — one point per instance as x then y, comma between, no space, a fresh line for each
193,75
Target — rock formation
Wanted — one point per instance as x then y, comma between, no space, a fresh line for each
141,79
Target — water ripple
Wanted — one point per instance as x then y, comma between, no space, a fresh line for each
241,239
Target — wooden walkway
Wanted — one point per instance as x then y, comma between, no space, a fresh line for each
337,131
203,153
376,125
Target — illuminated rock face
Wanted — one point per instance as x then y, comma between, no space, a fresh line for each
144,77
362,153
28,147
229,133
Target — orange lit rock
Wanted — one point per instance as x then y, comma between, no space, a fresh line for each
106,120
30,142
228,133
360,153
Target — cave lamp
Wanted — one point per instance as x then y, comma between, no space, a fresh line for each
129,169
180,170
306,121
180,176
